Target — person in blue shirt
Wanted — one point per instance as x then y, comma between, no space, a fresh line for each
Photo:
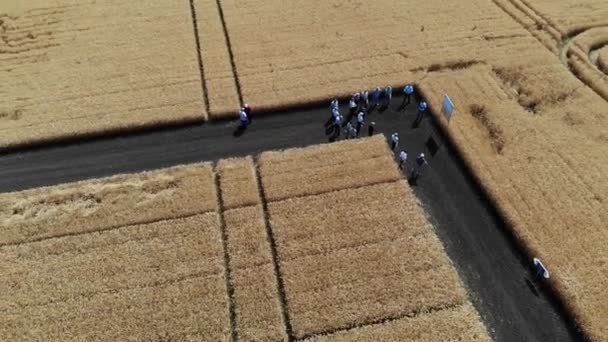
376,97
244,118
408,91
422,106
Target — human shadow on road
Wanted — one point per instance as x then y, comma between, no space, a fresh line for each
531,287
413,179
240,130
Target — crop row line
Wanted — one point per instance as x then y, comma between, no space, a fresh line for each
227,268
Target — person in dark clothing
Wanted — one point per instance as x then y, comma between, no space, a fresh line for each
370,128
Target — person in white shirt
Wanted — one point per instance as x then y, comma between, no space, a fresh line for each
365,99
337,125
360,121
352,105
394,141
402,159
244,119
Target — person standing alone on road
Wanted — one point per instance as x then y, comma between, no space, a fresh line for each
244,118
394,141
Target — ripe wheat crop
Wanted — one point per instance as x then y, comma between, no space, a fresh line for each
150,256
106,203
70,68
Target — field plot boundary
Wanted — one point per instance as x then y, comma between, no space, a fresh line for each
230,53
405,315
559,302
275,255
201,67
228,277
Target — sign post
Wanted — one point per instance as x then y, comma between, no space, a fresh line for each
447,108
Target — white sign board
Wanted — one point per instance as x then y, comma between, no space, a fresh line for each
540,268
447,107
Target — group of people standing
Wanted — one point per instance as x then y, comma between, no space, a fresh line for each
363,103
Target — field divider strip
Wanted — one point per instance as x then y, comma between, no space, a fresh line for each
93,294
406,315
105,229
237,83
227,261
323,192
199,56
275,256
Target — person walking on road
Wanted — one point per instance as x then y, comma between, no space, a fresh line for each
376,97
388,96
349,130
365,99
352,105
420,164
394,141
334,104
247,111
408,91
360,121
402,159
243,118
422,106
337,125
370,129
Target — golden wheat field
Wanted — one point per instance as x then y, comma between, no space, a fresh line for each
181,260
72,67
526,77
529,79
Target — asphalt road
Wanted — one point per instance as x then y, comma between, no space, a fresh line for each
494,270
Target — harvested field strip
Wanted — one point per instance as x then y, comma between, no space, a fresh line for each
460,323
238,183
359,279
220,78
106,203
256,296
323,168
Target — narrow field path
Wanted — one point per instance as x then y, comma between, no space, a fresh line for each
513,307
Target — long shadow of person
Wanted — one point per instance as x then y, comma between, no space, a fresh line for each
240,130
531,287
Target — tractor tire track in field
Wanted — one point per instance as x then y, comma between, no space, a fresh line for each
564,43
492,266
199,57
